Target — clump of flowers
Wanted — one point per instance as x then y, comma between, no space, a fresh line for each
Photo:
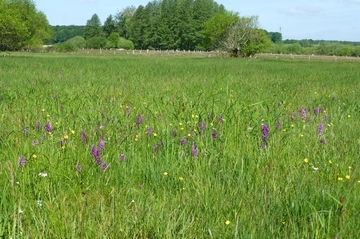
139,119
264,132
183,141
21,161
194,149
83,136
320,128
48,127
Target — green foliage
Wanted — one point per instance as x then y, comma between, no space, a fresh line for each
295,186
22,25
215,29
78,41
96,42
125,44
259,43
109,26
64,33
275,37
93,28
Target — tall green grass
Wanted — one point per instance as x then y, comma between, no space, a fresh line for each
238,185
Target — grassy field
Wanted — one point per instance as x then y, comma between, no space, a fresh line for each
175,146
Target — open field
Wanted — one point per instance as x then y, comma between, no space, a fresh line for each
178,146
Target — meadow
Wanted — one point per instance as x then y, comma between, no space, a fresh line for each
176,146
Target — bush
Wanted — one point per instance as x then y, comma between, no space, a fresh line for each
65,47
96,42
78,41
126,44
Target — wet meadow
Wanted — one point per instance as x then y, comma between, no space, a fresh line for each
178,146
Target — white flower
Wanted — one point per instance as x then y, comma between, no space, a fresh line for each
39,203
315,169
43,175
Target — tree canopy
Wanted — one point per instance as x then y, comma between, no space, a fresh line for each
22,25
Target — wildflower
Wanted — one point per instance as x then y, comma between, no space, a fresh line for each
265,131
155,134
340,178
122,157
101,144
155,149
34,143
293,114
174,133
347,177
349,116
214,135
25,130
37,125
39,203
306,160
320,128
220,119
104,166
83,136
165,173
303,113
227,222
280,103
72,131
262,145
66,136
21,161
322,140
98,160
139,119
48,127
183,141
181,178
95,152
78,167
202,126
149,130
194,150
330,162
34,156
316,111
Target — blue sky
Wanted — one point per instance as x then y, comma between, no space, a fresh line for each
301,19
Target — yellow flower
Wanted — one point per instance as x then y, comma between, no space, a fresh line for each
73,131
292,126
66,136
34,156
330,162
227,222
347,176
349,116
155,134
63,147
306,160
301,135
350,167
181,178
165,174
340,178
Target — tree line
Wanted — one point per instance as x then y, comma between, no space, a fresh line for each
161,24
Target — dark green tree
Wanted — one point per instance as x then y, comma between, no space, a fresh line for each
93,27
109,26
